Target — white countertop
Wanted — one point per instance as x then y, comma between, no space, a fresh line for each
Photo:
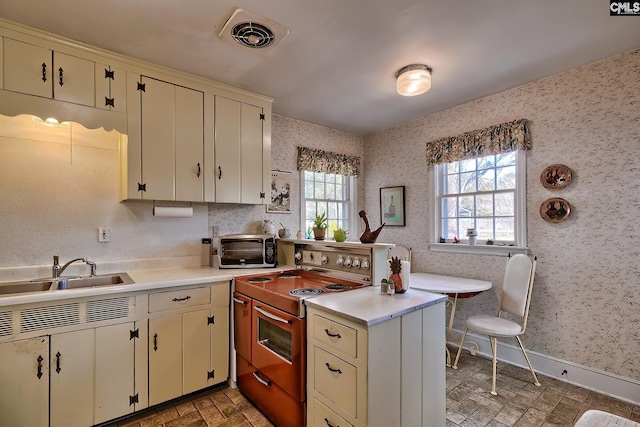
368,307
144,280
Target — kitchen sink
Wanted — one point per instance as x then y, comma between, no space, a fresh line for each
10,288
94,281
64,283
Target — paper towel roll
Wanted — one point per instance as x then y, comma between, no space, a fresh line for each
173,211
404,274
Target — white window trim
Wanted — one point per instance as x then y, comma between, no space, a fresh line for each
520,219
353,208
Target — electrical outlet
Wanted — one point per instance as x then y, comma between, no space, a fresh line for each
104,234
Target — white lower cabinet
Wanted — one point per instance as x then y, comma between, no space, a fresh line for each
92,368
386,374
24,382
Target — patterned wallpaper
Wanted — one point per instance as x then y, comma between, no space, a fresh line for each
586,302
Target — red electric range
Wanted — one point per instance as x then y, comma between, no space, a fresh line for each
270,332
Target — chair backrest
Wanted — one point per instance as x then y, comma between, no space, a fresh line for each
517,286
401,252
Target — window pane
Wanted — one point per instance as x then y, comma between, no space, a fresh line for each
452,184
484,205
506,178
467,165
468,182
449,207
486,180
331,178
487,162
449,228
449,168
484,227
505,204
331,191
506,159
504,229
464,223
318,192
308,189
466,208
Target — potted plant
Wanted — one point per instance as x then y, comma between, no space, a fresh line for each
320,226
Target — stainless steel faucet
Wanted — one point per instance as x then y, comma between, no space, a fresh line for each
56,270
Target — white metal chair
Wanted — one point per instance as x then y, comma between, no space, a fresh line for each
401,252
515,298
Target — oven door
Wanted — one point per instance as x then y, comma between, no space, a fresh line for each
278,344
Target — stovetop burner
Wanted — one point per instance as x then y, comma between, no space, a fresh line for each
259,279
337,286
288,276
305,292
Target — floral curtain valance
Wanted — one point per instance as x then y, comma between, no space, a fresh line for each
496,139
323,161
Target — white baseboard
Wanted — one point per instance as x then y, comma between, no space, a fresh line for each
622,388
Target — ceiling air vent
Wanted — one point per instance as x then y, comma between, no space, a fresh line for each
253,31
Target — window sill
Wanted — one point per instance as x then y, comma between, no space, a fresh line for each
462,248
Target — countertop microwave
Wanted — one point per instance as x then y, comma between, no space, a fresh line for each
247,251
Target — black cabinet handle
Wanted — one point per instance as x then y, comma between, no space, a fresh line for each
58,362
44,72
332,335
181,299
333,369
219,172
39,359
61,71
155,342
198,170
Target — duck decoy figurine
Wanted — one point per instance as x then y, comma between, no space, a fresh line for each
368,236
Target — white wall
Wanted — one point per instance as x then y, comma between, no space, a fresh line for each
57,185
586,302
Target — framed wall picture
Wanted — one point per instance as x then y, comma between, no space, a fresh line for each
392,206
280,194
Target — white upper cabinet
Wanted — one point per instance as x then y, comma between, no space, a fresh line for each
240,160
111,87
39,71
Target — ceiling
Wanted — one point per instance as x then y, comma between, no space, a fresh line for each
336,66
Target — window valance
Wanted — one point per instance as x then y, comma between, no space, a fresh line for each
323,161
502,138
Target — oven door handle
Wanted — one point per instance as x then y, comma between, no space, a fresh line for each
272,316
239,301
260,380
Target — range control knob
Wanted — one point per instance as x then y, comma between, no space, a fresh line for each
298,256
365,264
340,261
355,263
324,259
347,262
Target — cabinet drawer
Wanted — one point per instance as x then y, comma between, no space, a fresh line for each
172,300
336,379
335,336
323,416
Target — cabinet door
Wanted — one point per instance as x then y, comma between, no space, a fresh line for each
74,79
252,161
227,150
157,117
27,68
189,143
114,371
71,368
165,358
111,88
196,342
24,376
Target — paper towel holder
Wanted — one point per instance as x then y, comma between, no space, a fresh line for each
162,210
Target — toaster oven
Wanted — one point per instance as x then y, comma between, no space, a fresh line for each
247,251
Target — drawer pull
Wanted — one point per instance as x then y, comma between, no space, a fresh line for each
44,72
181,299
332,335
155,342
333,369
260,380
273,316
239,301
39,360
58,355
329,424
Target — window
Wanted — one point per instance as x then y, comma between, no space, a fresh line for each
327,193
486,193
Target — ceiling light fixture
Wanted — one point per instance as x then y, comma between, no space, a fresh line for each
413,79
